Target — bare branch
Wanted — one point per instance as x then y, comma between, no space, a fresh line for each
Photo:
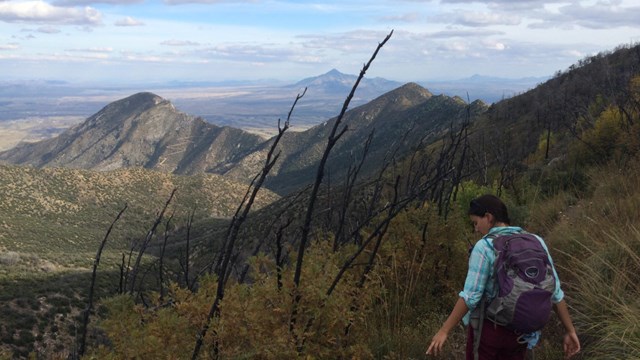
306,228
145,243
161,260
331,141
96,262
234,228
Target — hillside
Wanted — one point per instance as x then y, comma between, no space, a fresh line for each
338,85
399,121
52,221
564,106
49,211
142,130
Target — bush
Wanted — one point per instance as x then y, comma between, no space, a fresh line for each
9,258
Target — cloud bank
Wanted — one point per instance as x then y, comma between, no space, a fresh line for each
40,12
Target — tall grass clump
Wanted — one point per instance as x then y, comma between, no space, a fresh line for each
421,270
608,307
597,246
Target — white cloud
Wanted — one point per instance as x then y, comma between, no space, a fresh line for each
601,15
250,53
494,45
408,18
465,33
129,21
481,19
179,43
89,2
181,2
145,57
455,46
358,41
508,4
10,46
92,50
574,53
41,12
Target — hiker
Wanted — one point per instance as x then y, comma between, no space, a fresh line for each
481,291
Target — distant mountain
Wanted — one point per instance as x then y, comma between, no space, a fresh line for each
340,84
142,130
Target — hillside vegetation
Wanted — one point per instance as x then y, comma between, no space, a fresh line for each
52,221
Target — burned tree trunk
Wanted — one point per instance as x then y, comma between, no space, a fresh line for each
333,138
145,243
96,262
234,228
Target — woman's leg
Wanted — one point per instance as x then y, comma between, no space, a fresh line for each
497,343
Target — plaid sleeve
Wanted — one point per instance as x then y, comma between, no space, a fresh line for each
480,267
558,295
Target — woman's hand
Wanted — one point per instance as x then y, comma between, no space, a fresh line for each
441,336
571,344
437,342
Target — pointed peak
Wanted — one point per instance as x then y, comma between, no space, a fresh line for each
334,72
144,97
137,102
129,106
414,88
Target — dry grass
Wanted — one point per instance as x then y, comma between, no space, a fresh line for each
597,243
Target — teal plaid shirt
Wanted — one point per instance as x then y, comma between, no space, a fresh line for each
480,276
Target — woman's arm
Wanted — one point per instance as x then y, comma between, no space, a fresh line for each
571,342
459,310
480,266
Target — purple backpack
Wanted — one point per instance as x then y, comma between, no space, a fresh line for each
525,281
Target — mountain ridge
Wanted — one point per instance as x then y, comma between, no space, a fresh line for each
142,130
145,130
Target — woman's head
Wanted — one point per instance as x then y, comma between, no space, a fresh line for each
488,211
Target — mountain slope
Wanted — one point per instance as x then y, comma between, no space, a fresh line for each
142,130
408,113
562,107
50,210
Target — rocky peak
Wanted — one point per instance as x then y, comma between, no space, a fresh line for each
405,96
129,107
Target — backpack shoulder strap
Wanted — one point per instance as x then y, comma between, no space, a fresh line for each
492,237
476,323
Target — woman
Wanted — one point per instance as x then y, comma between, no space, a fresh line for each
490,218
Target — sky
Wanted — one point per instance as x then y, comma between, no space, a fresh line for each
153,41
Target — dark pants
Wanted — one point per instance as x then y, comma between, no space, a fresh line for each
496,343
